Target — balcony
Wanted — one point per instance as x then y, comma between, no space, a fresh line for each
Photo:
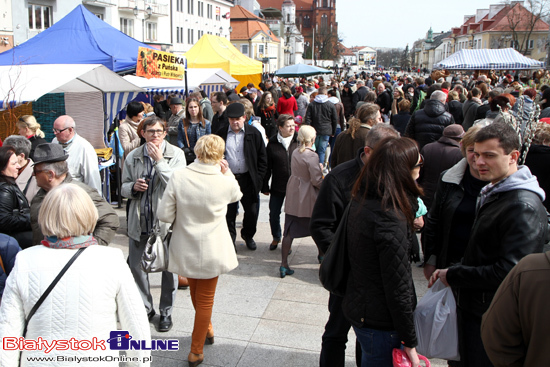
159,7
100,3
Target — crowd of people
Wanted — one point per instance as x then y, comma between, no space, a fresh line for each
454,169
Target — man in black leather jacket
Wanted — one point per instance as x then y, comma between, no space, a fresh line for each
510,223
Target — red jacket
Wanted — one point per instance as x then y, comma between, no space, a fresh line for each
287,106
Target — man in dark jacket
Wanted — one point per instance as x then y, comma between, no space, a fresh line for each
219,104
247,159
359,94
322,115
279,149
438,157
51,170
230,92
333,198
383,100
426,125
510,223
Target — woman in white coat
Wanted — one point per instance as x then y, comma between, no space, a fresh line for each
95,292
201,249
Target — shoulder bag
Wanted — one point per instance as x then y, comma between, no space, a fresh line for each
155,255
188,151
47,292
334,270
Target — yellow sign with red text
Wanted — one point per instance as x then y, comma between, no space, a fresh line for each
159,64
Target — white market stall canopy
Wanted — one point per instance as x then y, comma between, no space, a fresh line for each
93,93
210,80
488,59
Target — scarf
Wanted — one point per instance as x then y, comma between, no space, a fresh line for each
69,242
285,142
477,100
269,110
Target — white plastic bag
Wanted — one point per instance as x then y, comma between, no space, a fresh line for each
435,323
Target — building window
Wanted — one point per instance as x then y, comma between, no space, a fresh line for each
178,40
200,8
100,16
190,6
261,49
217,13
324,21
531,44
152,31
127,26
40,17
244,49
179,6
190,36
307,22
209,11
325,5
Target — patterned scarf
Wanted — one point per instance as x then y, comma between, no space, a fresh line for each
69,242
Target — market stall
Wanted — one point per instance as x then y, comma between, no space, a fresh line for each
488,59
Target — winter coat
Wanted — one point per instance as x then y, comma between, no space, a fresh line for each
287,105
129,138
27,181
380,291
346,99
194,133
9,248
427,125
538,161
509,225
346,147
302,102
201,246
332,200
322,115
96,296
268,119
384,100
438,157
107,221
455,109
303,184
134,168
469,111
358,96
207,111
400,121
515,328
278,164
15,219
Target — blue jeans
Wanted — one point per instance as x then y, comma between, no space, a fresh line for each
275,204
377,346
321,143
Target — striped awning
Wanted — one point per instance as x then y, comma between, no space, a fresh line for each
488,59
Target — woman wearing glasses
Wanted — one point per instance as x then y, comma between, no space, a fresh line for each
380,296
147,170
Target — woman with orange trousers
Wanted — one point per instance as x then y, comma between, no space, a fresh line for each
201,248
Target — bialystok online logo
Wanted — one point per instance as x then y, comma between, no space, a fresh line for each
118,340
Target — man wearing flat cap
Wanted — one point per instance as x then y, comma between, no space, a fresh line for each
51,170
178,113
245,152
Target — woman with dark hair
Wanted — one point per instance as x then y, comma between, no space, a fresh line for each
346,97
469,108
15,217
193,126
267,112
128,130
380,296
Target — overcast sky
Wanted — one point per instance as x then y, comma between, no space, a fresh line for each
394,23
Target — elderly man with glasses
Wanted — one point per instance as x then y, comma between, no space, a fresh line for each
147,170
83,163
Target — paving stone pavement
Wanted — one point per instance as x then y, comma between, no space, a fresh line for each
259,319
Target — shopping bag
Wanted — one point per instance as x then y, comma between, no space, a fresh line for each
435,323
401,359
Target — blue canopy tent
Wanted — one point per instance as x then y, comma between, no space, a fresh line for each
488,59
79,38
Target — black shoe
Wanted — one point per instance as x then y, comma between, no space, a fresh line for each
274,245
151,314
165,323
250,243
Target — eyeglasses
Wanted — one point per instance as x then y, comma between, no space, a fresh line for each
57,131
154,132
421,162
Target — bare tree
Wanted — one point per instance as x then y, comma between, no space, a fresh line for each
325,41
523,21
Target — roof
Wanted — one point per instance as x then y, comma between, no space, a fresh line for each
487,59
300,4
246,25
78,38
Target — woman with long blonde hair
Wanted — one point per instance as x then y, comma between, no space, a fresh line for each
30,128
301,192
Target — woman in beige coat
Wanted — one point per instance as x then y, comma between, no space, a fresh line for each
301,192
201,249
129,138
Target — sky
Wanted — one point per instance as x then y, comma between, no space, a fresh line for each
394,23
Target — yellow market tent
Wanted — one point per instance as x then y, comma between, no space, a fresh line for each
217,52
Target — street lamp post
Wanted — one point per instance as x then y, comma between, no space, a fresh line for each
147,14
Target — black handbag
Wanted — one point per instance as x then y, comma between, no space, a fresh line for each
189,153
334,269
